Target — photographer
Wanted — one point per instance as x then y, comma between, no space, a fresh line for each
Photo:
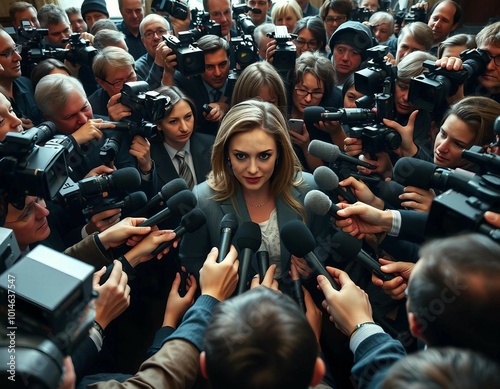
488,40
221,12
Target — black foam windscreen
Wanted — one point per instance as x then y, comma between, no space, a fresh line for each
347,246
313,114
127,178
172,187
415,172
193,220
135,200
248,236
182,202
297,238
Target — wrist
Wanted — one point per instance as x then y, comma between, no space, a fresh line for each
386,221
146,168
361,325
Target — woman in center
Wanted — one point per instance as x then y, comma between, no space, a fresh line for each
256,176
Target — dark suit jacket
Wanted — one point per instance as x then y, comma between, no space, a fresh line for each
201,151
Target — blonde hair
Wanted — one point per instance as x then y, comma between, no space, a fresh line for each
281,7
245,117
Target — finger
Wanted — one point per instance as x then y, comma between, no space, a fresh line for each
116,273
97,276
212,255
192,289
269,277
175,283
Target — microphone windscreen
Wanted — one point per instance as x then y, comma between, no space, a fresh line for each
345,245
326,179
248,236
127,178
324,151
313,114
317,202
297,238
229,221
173,187
182,202
135,200
193,220
389,191
415,172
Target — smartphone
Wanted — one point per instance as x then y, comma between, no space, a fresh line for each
295,125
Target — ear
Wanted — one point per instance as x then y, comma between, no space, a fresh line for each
100,82
319,372
203,365
415,327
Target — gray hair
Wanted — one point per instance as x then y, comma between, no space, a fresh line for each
411,65
51,14
53,90
105,38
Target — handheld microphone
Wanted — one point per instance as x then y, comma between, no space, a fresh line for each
248,241
299,241
167,191
343,115
320,204
262,263
330,153
132,201
296,287
228,227
349,247
178,205
328,181
190,222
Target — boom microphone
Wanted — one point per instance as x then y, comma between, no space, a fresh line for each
330,153
348,247
167,191
190,222
320,204
328,181
300,242
345,116
248,241
228,227
178,205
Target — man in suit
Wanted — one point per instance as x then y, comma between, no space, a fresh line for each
132,12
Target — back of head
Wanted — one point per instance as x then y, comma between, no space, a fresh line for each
454,293
443,368
102,24
105,38
260,339
354,34
411,65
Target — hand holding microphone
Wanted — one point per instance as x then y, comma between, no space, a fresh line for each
228,227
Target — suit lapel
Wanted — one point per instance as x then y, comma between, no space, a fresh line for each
164,166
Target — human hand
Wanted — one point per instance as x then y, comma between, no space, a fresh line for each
268,280
361,219
140,149
347,307
450,63
170,61
27,123
218,110
313,314
353,146
142,251
417,198
180,25
362,192
493,218
219,280
269,54
92,129
100,170
397,286
176,305
408,148
302,267
161,53
87,36
114,294
125,231
383,164
69,379
116,110
301,140
103,220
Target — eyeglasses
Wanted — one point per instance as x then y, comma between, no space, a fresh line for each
303,93
119,84
337,19
311,44
495,58
149,34
28,211
9,53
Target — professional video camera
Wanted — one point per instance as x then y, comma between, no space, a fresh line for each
415,14
377,79
285,53
46,309
190,58
174,8
361,14
466,198
243,47
244,22
429,90
32,169
203,25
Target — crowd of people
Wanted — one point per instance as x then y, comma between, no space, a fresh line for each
385,103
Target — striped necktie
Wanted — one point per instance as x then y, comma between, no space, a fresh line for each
184,170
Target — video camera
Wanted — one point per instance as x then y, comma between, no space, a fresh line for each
243,47
429,90
46,309
415,14
174,8
190,58
377,79
285,53
32,169
203,25
361,14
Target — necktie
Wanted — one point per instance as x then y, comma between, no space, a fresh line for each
216,95
184,170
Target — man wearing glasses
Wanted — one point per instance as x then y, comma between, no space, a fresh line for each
334,13
488,40
17,87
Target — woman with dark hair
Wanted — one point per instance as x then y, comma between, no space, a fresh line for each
178,151
310,35
334,13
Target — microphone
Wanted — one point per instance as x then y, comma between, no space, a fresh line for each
296,288
132,201
426,175
389,191
328,181
320,204
178,205
262,263
343,115
330,153
190,222
228,227
300,242
167,191
248,241
349,247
